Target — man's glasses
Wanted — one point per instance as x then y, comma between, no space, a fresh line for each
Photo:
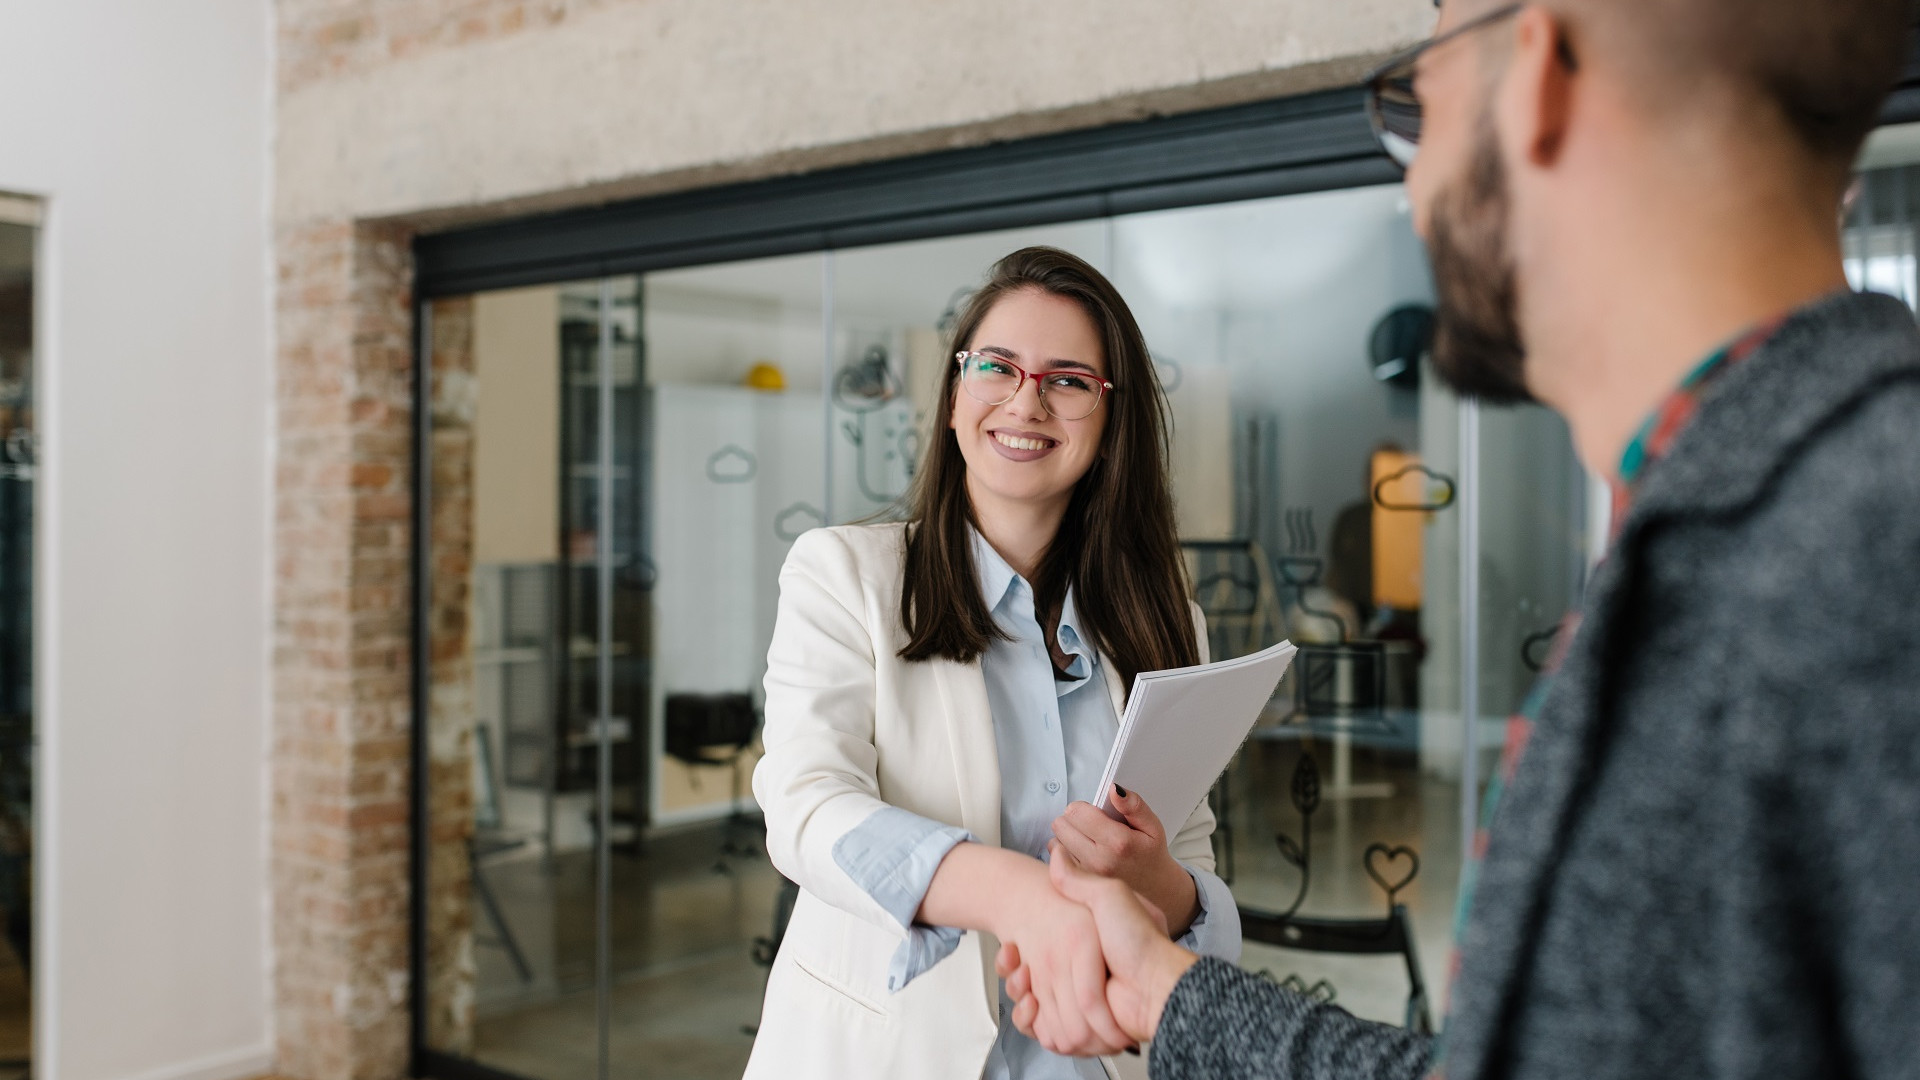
994,380
1394,108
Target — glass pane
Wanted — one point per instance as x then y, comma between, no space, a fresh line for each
1539,533
1290,334
716,463
18,456
514,625
1880,237
732,370
493,946
893,306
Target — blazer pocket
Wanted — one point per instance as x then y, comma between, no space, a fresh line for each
837,987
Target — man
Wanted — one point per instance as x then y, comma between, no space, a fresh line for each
1706,858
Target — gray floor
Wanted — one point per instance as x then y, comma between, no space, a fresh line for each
687,991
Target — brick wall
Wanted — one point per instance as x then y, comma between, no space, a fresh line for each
340,727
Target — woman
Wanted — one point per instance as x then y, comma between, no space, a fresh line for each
939,689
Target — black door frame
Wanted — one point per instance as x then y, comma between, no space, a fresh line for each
1311,142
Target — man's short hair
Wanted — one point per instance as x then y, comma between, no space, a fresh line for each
1825,66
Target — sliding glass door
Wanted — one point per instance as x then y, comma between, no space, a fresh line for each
620,465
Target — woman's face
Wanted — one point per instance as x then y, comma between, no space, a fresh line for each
1015,452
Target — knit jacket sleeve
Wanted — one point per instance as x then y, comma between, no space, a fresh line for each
1222,1022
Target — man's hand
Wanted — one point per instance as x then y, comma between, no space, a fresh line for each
1134,851
1142,964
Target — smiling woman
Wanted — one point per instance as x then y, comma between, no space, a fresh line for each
1057,313
942,695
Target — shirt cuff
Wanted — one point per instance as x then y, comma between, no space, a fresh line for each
892,857
1216,930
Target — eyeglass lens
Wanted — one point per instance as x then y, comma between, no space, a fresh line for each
1396,114
1066,395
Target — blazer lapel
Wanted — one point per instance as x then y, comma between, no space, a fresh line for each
976,752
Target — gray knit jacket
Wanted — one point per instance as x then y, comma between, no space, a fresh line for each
1708,863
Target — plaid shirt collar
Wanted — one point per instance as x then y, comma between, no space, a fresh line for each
1662,429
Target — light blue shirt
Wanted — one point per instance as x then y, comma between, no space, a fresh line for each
1053,737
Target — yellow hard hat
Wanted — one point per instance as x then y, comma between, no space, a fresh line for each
765,376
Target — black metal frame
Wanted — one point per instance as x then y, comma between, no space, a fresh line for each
1313,142
420,658
1308,143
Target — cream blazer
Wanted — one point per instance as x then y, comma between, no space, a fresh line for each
850,728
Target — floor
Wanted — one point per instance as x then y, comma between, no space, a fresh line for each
16,1017
684,917
686,992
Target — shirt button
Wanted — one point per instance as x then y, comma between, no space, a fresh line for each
1053,787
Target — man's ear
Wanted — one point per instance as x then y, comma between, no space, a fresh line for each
1537,93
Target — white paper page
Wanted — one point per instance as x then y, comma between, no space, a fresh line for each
1182,726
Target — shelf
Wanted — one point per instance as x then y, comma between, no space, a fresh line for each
621,731
586,650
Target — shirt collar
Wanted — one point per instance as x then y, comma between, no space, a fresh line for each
996,577
1663,427
1656,436
999,581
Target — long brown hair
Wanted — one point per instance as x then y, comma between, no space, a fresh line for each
1117,547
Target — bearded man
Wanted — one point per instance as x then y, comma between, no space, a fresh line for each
1704,856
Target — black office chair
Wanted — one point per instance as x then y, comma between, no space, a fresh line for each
715,729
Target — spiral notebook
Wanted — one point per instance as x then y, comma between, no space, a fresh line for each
1182,726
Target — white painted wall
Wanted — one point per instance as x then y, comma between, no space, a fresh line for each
146,127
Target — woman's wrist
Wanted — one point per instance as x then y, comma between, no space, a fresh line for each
978,887
1017,890
1177,895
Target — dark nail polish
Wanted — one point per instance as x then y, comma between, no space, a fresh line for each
1122,792
1134,1050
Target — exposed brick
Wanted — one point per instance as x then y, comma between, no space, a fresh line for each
340,751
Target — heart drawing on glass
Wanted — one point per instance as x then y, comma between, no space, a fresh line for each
1380,862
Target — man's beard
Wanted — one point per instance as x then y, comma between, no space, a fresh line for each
1476,339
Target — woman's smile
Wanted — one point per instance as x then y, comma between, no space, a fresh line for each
1022,445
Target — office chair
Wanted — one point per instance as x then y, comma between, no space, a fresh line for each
715,729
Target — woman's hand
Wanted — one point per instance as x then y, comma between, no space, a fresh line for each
1064,973
1134,852
1010,896
1144,966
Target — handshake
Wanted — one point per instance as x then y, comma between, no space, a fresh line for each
1091,968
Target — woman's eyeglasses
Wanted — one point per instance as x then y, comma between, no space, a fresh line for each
994,380
1394,108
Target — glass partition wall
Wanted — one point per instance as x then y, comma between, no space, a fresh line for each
620,466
